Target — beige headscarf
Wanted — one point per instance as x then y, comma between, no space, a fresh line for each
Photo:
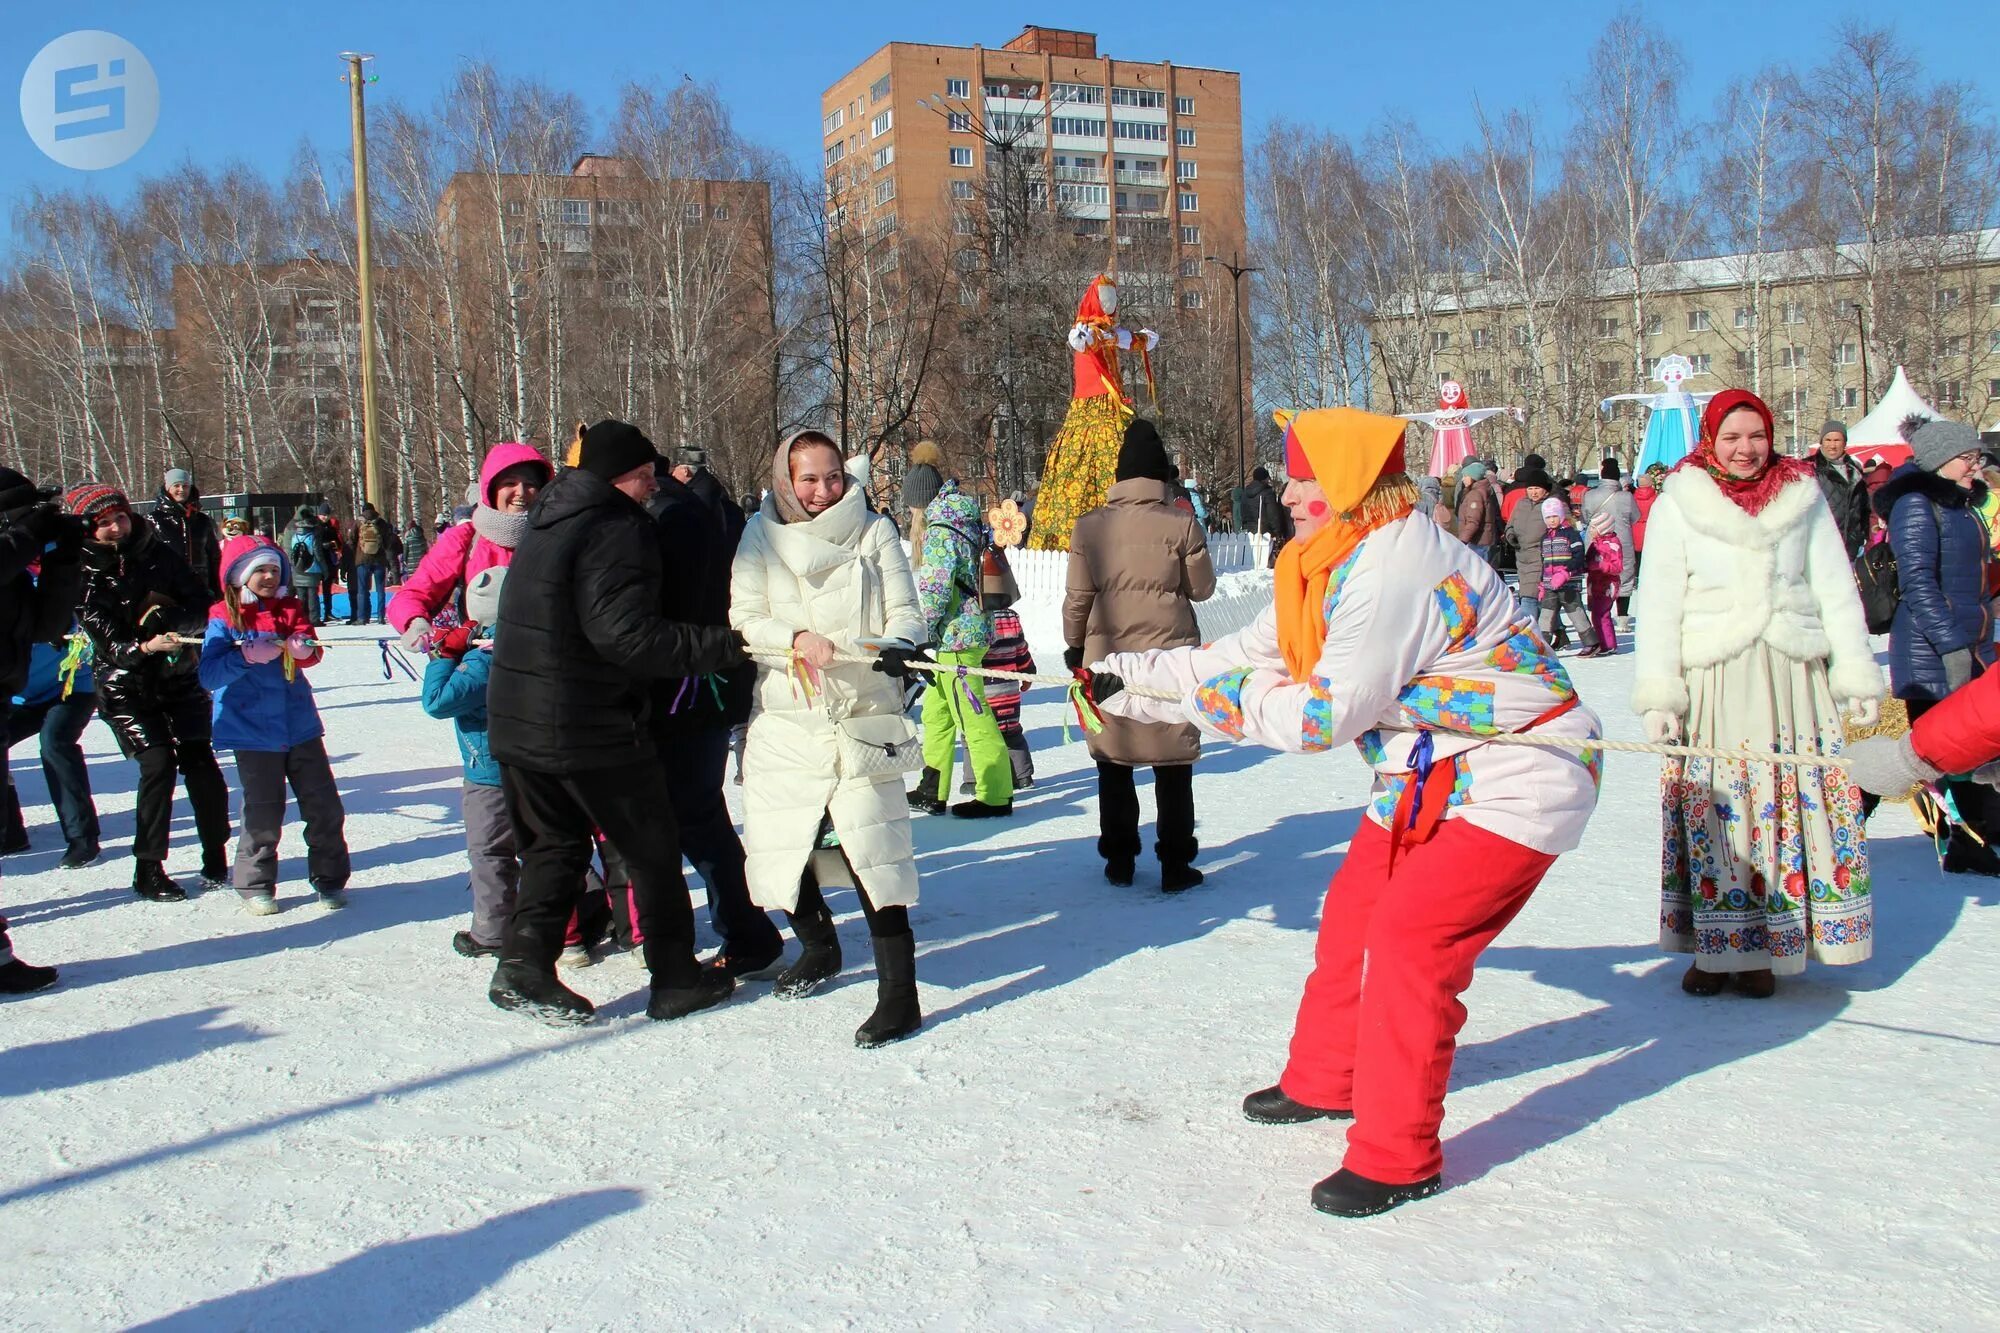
783,497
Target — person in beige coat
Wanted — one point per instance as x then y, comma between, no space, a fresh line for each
1137,565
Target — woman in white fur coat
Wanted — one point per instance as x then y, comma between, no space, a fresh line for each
1751,636
816,574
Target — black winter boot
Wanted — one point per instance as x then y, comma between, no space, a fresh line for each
523,988
19,978
1120,870
897,1014
467,947
79,855
819,956
712,985
1175,878
923,797
982,810
1270,1106
1345,1194
150,880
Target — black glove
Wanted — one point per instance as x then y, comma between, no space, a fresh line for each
895,662
1103,685
44,521
1072,658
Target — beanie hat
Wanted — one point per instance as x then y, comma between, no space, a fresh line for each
1831,426
179,476
1554,510
17,492
1938,442
1143,454
482,595
1534,476
1610,470
92,498
1260,473
1471,470
1535,461
244,552
610,449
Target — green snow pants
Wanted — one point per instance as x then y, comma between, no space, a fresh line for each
949,708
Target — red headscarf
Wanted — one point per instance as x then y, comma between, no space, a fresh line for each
1750,494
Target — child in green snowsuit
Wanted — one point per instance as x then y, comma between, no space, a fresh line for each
948,589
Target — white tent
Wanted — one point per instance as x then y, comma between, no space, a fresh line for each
1875,435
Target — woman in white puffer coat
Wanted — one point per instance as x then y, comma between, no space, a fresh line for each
818,573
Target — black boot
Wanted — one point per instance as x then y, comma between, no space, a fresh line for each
79,855
1345,1194
524,988
150,880
819,955
1270,1106
1120,870
712,985
982,810
19,978
924,798
463,943
897,1014
1174,878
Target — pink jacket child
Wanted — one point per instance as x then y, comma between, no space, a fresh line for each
1605,559
509,479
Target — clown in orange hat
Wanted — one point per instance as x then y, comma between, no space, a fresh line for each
1389,633
1083,457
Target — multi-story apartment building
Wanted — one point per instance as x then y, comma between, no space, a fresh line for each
1798,327
1128,149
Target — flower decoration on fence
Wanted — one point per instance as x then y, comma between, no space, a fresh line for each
1009,524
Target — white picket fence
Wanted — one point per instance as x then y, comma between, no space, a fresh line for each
1043,574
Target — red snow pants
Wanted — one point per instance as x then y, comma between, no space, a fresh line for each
1379,1022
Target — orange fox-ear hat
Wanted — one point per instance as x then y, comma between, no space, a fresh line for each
1344,449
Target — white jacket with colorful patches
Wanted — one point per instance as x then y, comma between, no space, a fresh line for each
1420,633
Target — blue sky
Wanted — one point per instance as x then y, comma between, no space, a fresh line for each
243,81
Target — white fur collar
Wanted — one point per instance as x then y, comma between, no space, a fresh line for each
1712,514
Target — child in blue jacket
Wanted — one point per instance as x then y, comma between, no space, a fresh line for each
254,656
455,688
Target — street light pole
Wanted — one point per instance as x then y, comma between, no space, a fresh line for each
1236,268
364,274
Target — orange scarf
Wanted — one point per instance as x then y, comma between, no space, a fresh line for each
1305,568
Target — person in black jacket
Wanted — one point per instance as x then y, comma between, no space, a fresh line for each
1841,482
32,528
568,709
144,612
187,529
699,526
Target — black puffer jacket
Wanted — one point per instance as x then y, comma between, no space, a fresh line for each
1847,496
190,532
32,611
132,592
697,547
582,640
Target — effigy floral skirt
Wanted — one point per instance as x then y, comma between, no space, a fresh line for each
1763,865
1082,463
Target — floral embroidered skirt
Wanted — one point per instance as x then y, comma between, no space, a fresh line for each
1763,865
1082,463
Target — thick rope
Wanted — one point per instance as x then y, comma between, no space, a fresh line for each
1533,739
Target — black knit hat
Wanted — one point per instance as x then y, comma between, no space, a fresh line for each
1534,461
1143,454
17,492
1609,471
610,449
1534,476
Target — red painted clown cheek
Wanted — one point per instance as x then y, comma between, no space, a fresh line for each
1317,508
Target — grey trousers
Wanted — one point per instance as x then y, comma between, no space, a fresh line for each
496,867
263,775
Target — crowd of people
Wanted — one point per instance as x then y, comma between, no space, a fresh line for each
600,636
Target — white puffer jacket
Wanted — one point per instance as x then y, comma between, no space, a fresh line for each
844,576
1716,580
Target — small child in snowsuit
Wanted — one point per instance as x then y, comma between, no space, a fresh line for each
1563,570
1010,653
254,656
455,688
1606,562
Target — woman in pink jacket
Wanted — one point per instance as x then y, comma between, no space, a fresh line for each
510,478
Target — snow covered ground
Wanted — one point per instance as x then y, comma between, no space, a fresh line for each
316,1120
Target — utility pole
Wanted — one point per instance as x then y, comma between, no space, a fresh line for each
1236,268
364,274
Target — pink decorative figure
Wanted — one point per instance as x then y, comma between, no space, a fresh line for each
1452,424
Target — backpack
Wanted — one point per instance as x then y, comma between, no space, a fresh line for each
302,554
369,540
1875,577
1607,554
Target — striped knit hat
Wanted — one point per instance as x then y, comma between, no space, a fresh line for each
94,497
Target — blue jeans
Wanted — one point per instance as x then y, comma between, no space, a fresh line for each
365,577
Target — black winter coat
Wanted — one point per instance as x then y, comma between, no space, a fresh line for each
582,641
130,593
1941,553
697,547
1259,509
1848,499
33,611
190,533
